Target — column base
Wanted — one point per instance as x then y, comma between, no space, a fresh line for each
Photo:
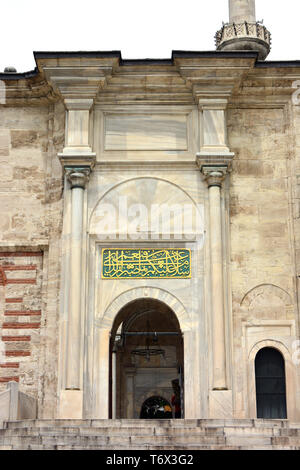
220,404
71,404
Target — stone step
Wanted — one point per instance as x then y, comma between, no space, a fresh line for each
150,435
245,431
34,447
113,440
129,441
156,448
293,432
285,441
102,423
124,423
171,432
113,448
155,432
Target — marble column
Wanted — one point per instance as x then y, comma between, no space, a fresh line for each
71,396
114,383
77,179
101,375
77,160
214,178
214,161
77,82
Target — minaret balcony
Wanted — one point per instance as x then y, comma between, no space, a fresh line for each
244,36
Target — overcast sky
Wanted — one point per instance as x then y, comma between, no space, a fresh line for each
139,28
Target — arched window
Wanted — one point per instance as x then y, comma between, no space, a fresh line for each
270,384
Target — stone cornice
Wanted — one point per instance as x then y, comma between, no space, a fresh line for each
77,161
214,166
29,91
187,78
214,78
266,87
74,76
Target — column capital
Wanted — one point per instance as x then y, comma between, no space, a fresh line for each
80,165
214,166
78,177
214,176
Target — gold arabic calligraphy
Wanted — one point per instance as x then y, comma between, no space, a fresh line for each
145,263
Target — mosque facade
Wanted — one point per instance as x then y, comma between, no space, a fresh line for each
150,235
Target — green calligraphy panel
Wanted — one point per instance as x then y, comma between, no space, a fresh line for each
119,263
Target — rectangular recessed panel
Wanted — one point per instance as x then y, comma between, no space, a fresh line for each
118,263
145,132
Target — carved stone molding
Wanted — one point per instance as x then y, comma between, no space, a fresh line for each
73,161
76,76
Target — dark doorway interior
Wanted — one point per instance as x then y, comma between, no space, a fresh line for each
147,349
270,384
156,408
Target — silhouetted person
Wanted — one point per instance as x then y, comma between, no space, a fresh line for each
176,400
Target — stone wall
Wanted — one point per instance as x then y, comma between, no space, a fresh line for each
262,238
296,182
30,171
30,226
21,318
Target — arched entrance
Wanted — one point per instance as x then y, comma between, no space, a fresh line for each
146,356
270,384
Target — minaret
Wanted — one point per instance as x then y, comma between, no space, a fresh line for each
242,10
243,32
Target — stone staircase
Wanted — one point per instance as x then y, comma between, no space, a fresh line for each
160,435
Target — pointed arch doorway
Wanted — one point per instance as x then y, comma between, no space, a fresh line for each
146,361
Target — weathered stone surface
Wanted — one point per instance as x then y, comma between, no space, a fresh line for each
117,435
30,138
21,139
4,142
